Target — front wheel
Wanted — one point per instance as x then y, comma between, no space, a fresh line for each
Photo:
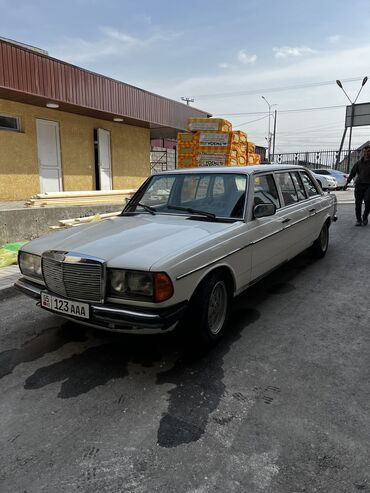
209,309
320,245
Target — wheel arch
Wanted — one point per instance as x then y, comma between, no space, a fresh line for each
224,269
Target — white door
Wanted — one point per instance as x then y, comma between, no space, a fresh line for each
48,148
269,248
104,159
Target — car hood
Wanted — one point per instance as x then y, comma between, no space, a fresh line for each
135,242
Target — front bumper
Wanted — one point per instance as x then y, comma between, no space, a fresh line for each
117,317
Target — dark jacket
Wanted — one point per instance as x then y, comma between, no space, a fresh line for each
361,170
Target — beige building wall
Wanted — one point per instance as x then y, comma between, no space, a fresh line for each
19,171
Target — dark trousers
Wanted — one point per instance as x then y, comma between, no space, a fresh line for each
362,193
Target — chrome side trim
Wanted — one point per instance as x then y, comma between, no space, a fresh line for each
267,236
210,263
299,221
249,244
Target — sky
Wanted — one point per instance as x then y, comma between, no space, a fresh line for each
225,55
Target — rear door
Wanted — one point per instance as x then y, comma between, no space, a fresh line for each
315,207
293,214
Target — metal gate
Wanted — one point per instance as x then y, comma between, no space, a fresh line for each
319,159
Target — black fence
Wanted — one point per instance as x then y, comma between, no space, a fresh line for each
319,159
165,159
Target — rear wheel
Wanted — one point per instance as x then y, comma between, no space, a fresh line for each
209,308
320,245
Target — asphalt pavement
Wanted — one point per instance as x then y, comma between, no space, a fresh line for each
280,405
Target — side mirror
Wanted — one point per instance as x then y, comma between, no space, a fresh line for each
263,210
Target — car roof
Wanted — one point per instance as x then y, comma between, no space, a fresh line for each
247,170
328,169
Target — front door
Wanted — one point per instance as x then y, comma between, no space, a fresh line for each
104,159
48,148
268,245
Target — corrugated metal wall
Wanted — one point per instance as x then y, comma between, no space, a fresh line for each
38,75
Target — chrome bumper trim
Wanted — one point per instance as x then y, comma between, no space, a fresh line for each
114,318
29,288
101,310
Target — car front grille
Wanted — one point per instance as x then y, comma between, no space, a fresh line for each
77,280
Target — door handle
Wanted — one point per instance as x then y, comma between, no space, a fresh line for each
285,220
312,210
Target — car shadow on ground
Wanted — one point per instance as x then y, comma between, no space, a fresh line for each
97,356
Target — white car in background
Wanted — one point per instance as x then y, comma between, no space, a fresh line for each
187,242
340,177
326,182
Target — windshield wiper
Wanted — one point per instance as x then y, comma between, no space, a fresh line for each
147,208
192,211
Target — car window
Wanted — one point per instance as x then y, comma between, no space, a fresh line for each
189,188
218,186
201,190
309,184
222,194
287,188
158,192
265,191
298,186
321,171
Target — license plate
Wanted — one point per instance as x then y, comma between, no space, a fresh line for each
67,307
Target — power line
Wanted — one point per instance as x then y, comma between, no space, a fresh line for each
294,110
251,121
275,89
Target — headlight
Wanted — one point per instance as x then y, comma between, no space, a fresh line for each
135,285
30,265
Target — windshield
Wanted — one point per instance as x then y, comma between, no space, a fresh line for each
207,194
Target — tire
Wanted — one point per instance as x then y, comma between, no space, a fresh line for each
320,245
209,309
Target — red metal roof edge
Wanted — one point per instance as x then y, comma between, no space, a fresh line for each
34,53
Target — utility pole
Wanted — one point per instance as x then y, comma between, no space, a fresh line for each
274,135
188,100
269,127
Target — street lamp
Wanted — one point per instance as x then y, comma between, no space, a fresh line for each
364,80
269,126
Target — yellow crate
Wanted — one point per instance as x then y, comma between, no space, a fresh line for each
185,137
238,150
239,137
186,161
253,158
251,147
220,139
219,159
185,148
215,124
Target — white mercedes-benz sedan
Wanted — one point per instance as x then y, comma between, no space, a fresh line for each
184,245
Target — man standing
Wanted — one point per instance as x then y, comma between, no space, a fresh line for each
361,170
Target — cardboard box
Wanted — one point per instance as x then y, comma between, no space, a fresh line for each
219,159
215,124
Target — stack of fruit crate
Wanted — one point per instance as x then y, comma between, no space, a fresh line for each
212,142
